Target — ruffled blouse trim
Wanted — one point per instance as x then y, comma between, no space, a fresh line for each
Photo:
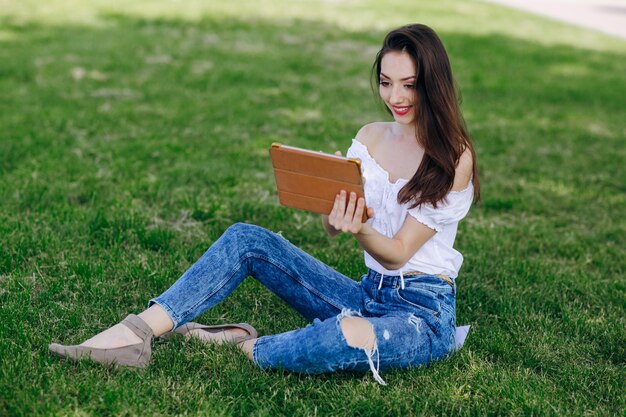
366,153
426,221
451,209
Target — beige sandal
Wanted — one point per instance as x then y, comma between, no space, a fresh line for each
136,356
186,328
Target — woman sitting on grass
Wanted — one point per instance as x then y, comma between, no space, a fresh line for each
420,181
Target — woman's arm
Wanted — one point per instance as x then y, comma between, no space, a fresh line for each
392,253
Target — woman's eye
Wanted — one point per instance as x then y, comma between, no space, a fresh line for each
384,83
409,86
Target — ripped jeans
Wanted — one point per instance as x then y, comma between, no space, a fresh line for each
412,326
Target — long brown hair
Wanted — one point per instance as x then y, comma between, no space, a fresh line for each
439,124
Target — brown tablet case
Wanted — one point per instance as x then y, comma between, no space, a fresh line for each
310,180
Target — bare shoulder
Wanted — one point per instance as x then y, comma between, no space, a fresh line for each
370,134
463,172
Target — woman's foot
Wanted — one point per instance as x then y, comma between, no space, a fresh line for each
125,344
226,333
113,337
224,336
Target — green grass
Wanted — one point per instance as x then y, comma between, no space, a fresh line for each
132,134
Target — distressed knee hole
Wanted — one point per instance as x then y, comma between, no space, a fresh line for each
359,333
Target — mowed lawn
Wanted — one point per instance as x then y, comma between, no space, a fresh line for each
132,134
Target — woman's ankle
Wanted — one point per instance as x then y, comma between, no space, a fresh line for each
158,319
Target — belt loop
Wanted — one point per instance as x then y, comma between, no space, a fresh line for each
447,279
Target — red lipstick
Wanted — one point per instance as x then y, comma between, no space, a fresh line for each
401,111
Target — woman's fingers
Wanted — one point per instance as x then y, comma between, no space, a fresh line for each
357,220
335,218
342,204
349,214
332,217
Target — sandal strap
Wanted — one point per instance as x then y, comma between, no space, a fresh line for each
138,326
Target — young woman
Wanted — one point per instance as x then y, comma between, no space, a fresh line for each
420,181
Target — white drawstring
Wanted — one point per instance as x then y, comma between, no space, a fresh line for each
380,283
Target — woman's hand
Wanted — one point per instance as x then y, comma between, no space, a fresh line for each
348,217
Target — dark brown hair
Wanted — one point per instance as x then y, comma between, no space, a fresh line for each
440,127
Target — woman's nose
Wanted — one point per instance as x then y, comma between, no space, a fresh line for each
396,96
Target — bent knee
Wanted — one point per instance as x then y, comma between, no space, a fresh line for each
241,228
359,332
248,231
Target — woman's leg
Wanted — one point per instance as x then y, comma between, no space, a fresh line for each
311,287
314,289
351,342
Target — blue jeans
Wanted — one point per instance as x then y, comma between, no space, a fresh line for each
413,326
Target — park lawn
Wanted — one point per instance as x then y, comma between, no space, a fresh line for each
132,134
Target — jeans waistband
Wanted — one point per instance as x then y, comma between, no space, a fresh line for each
396,280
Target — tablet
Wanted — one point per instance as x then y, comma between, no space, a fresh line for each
310,180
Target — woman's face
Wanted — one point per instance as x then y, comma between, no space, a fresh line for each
397,85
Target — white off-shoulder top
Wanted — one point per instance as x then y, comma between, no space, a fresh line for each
437,255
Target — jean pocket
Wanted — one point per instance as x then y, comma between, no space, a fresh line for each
420,298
